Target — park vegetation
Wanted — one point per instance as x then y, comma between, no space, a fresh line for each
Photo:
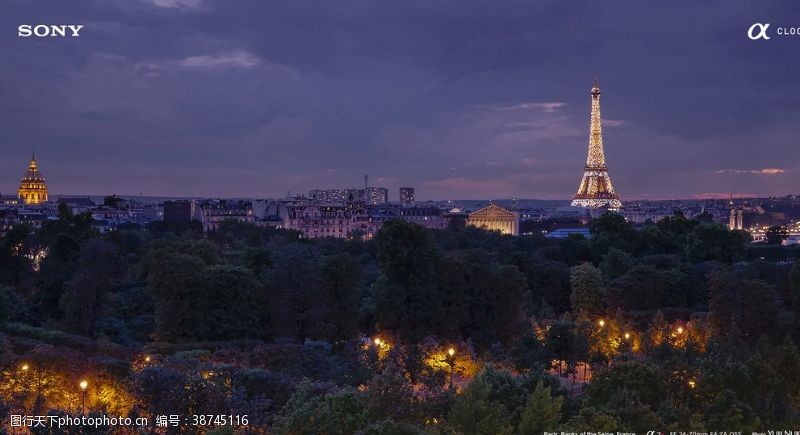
679,325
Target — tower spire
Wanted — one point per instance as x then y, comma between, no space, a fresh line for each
596,190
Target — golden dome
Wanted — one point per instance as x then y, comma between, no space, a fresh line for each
32,188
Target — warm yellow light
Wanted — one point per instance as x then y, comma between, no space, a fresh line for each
147,358
377,341
84,385
680,330
692,384
601,322
451,351
25,367
627,336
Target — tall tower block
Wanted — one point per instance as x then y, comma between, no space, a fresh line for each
596,190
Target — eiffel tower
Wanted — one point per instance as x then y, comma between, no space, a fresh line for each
596,190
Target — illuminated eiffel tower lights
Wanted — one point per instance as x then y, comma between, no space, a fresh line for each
596,190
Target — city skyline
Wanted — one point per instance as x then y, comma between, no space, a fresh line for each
156,97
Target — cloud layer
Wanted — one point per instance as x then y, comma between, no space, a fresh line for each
462,99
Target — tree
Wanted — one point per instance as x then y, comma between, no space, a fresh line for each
234,304
311,409
658,332
164,390
727,410
391,427
586,297
641,378
14,267
612,224
611,230
296,294
542,411
99,268
646,288
197,297
724,302
177,282
776,234
406,295
474,411
591,419
390,395
6,305
341,278
616,263
549,285
715,243
759,310
480,299
529,353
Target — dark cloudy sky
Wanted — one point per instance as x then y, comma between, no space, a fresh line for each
459,98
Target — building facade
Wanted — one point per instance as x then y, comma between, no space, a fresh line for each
32,187
407,196
315,220
495,218
213,212
431,218
179,211
376,195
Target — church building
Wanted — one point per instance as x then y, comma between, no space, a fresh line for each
32,188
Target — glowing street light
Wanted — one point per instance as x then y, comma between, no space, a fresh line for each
680,330
601,322
451,351
377,341
627,336
692,384
25,367
147,358
84,385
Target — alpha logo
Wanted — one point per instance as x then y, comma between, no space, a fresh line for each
762,31
49,30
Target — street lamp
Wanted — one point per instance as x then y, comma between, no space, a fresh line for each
25,367
601,322
84,384
450,361
147,359
680,330
627,336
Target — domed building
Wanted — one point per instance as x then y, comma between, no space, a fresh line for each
32,188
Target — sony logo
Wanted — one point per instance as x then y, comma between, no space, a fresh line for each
45,30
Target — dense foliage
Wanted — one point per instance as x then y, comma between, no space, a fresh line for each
677,325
